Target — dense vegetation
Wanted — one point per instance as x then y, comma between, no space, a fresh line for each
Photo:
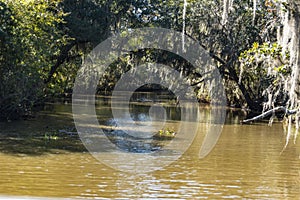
255,45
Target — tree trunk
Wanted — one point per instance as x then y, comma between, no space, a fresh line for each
297,24
289,39
295,54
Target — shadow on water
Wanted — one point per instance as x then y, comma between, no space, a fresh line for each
48,132
53,131
39,146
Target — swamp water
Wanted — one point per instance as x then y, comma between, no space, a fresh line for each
49,160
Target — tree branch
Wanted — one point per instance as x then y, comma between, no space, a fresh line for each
60,60
269,112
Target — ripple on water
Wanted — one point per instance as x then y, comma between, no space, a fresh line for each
245,163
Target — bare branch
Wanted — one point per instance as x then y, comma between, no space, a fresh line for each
269,112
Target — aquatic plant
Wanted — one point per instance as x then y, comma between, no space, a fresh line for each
166,133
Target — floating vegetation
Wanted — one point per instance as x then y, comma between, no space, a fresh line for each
165,134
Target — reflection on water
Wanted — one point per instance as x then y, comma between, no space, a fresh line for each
245,163
139,131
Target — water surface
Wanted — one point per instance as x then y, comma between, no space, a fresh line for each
247,162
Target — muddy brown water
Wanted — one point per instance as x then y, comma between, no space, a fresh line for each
248,161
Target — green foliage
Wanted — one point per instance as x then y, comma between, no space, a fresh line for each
165,134
31,39
46,41
265,53
87,21
264,68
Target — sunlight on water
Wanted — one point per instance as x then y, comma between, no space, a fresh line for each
245,163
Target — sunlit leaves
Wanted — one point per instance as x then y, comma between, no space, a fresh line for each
268,54
31,38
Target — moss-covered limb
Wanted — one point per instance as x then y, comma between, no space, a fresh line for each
269,112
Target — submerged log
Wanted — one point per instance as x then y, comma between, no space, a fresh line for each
269,112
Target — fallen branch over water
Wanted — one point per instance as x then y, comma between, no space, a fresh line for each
269,112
